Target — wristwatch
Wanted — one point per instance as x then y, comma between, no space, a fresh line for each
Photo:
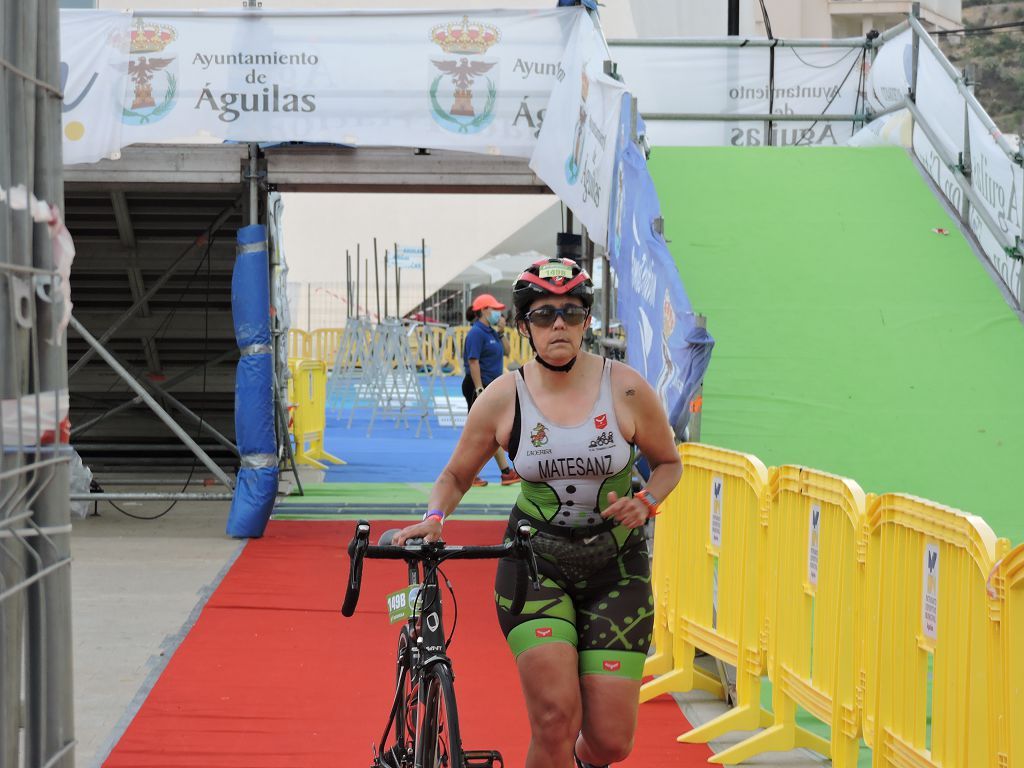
478,390
649,500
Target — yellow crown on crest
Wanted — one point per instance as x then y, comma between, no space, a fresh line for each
147,37
468,37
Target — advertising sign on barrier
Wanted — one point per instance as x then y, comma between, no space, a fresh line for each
813,543
930,592
716,512
1000,185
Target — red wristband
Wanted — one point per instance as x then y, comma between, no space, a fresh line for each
648,500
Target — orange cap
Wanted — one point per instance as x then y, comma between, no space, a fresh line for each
486,301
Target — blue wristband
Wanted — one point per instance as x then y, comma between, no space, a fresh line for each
439,514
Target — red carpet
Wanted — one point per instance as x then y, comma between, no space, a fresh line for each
272,675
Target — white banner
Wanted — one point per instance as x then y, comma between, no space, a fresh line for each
476,82
676,80
1000,185
940,102
889,79
934,161
94,70
575,152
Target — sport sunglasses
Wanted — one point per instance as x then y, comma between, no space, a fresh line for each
544,317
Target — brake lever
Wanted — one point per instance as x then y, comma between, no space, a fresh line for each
356,549
526,546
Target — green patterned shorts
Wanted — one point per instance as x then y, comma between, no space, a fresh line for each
595,594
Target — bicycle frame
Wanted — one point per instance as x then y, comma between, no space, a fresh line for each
428,667
428,650
427,623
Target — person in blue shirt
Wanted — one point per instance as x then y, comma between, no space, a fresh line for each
483,358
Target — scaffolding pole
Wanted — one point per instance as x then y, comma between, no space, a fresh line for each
172,425
172,382
203,239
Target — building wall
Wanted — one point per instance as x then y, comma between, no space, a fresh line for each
615,17
789,18
626,19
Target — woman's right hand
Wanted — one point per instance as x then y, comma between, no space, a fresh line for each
429,530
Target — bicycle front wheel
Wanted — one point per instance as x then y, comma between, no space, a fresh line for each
438,742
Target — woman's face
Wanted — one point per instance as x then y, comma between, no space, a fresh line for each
550,320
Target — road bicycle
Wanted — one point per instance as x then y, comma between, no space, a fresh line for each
423,714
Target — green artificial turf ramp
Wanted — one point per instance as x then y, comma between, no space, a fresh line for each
850,337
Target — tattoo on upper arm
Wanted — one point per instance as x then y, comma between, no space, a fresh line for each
630,392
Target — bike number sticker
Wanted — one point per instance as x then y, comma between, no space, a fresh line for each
402,604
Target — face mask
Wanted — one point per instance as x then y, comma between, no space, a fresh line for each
495,316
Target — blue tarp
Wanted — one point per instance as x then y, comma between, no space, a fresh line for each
665,343
256,488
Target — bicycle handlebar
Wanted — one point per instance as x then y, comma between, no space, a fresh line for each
434,552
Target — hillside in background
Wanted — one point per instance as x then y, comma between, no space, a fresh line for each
998,55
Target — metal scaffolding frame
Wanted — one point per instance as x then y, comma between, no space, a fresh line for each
165,417
147,390
122,231
36,716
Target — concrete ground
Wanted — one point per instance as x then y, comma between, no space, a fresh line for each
137,588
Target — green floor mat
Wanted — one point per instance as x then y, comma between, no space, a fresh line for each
399,494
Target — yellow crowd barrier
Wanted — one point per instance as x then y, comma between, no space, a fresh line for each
453,349
425,341
293,363
520,352
324,344
892,617
1006,720
298,343
815,587
927,618
709,542
308,392
665,583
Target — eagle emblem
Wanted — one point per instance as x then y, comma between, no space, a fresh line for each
466,81
152,73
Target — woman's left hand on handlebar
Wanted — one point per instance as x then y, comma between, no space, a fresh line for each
429,530
630,512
